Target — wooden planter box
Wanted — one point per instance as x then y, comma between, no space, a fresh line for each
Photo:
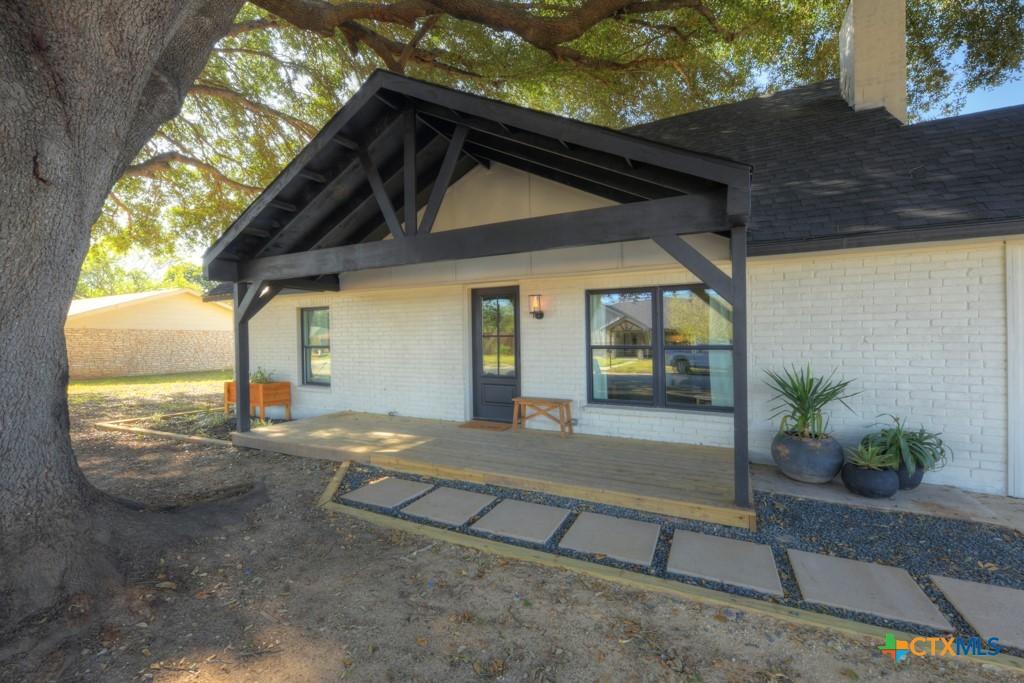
261,396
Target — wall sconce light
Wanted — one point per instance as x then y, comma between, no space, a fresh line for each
535,309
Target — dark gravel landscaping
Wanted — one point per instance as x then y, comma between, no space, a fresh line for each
921,544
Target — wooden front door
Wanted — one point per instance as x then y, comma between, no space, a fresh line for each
495,352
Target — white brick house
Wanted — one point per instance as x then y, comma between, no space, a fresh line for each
893,254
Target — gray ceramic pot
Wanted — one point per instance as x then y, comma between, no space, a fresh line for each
815,461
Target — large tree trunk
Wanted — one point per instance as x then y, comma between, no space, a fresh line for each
83,85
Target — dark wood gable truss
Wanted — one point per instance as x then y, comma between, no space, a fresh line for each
367,190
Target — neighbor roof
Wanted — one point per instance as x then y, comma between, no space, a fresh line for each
826,176
80,307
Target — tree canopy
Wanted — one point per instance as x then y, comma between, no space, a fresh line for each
288,65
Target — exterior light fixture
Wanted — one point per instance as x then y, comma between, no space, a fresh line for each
535,309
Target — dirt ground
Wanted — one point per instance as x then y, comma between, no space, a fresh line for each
302,595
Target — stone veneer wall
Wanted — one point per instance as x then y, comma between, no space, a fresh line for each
122,352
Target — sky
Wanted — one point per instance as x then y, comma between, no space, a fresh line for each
1007,95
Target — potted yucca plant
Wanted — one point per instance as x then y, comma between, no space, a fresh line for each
916,452
803,449
870,471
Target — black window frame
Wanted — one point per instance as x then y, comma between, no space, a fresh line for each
304,347
657,346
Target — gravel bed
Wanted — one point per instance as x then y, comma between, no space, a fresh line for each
921,544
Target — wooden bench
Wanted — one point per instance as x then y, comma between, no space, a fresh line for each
542,406
261,396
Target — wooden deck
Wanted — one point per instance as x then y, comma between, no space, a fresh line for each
693,482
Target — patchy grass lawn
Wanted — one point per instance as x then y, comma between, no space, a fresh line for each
300,594
111,398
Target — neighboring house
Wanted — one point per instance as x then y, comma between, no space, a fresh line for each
148,333
891,253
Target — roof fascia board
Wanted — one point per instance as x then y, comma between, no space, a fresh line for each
322,139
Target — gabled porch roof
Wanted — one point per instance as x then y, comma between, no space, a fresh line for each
367,189
399,139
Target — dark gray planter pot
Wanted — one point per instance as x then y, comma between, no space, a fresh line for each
815,461
908,481
871,483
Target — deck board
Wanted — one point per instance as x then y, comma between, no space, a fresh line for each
681,480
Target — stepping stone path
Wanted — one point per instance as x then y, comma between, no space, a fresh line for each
524,521
993,611
449,506
626,540
388,492
887,592
726,560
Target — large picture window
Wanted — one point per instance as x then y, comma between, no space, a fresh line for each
666,347
316,346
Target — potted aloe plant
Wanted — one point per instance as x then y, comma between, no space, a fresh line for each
915,452
803,449
870,471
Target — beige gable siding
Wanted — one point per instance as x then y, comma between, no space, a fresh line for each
182,311
501,193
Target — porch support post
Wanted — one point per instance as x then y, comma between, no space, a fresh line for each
741,456
241,360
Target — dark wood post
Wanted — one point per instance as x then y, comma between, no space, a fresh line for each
241,361
741,455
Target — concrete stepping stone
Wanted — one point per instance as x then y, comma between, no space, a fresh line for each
388,492
993,611
524,521
726,560
888,592
626,540
449,506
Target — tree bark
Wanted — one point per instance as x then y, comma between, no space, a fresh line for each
84,85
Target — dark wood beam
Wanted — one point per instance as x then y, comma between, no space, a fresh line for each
427,179
325,283
567,166
283,206
320,141
241,361
698,264
722,171
348,217
608,162
740,413
409,170
258,295
641,220
610,193
387,209
440,130
444,177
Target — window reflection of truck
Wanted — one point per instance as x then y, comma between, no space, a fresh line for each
685,362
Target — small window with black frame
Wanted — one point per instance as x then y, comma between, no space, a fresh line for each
316,346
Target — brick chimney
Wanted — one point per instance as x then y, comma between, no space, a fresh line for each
873,56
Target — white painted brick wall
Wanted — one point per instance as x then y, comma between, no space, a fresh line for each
922,333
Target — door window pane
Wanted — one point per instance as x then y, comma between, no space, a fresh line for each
489,356
506,316
507,356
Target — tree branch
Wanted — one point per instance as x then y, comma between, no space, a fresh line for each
219,91
161,163
241,27
543,32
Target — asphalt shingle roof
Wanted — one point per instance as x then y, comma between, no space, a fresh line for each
826,173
